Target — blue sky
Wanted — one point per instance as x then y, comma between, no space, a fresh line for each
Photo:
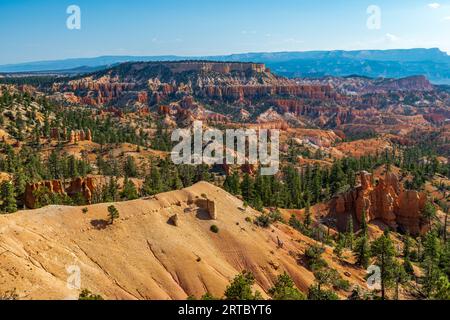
36,29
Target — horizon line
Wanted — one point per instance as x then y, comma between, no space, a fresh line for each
216,55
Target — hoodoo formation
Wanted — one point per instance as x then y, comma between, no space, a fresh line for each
87,161
83,187
386,201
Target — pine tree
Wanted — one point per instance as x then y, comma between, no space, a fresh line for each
407,246
53,165
72,168
8,202
442,291
430,264
364,226
384,252
400,277
130,168
351,178
284,289
247,188
176,182
231,184
241,288
112,190
113,214
129,191
20,182
324,278
362,251
307,221
407,265
317,184
429,213
339,248
350,235
153,183
337,178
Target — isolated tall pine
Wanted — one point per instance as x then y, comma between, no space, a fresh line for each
247,188
350,233
430,264
337,177
362,251
364,226
307,221
383,251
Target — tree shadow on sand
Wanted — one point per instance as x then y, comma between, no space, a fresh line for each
100,224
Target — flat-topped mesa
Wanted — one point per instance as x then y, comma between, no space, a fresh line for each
219,67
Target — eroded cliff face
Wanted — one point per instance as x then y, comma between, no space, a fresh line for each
154,82
79,186
386,201
82,186
187,90
53,187
219,67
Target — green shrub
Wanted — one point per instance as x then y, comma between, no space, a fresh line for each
316,294
241,288
87,295
341,284
276,216
284,289
113,214
263,221
313,257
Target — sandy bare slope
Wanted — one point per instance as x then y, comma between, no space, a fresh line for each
143,256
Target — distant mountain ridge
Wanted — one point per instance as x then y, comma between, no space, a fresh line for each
431,63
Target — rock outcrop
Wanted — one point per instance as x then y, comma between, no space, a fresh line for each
181,261
209,206
80,186
174,220
58,134
386,201
80,135
53,187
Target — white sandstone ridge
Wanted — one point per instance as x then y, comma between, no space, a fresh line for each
159,248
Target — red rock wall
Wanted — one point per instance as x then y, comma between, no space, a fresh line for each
83,186
54,186
387,202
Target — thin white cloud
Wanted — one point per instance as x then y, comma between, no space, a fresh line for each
447,18
434,5
391,37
